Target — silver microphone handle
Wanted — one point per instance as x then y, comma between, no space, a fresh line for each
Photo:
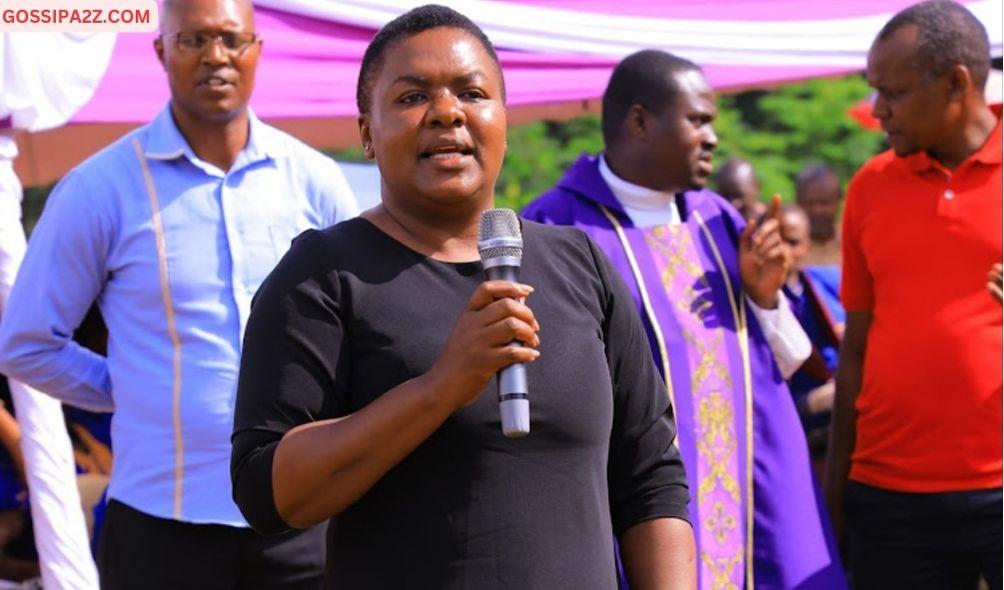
514,399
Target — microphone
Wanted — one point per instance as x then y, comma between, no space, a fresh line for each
500,244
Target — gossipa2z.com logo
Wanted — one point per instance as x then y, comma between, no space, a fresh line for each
78,16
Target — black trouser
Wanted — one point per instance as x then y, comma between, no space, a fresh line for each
139,551
923,541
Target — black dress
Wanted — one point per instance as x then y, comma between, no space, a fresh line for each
350,313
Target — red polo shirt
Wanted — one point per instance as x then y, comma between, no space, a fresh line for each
918,241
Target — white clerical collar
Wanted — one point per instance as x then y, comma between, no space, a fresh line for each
646,207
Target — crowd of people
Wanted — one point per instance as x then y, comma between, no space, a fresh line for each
726,392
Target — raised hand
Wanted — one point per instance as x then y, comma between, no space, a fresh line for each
481,341
995,282
764,258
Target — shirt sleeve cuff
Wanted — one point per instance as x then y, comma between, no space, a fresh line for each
787,339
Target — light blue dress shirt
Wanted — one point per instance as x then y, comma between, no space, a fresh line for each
172,249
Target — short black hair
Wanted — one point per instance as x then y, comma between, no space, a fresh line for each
789,208
645,78
814,173
726,175
409,24
947,35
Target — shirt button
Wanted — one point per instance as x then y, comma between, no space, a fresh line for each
949,194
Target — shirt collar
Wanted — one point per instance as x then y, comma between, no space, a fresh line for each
263,141
165,141
633,195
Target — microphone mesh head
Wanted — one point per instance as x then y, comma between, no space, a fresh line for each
499,223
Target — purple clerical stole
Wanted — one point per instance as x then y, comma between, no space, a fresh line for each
757,514
717,411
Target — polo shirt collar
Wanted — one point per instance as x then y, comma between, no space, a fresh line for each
165,141
921,162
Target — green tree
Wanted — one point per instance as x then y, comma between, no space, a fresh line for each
783,131
32,204
539,153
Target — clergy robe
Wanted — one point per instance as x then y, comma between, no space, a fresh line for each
738,430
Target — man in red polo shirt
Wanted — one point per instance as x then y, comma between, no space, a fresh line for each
917,419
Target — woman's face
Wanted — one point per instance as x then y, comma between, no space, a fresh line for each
437,123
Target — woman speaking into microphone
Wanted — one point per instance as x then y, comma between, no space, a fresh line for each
367,393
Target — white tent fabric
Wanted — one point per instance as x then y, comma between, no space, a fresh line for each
809,38
46,77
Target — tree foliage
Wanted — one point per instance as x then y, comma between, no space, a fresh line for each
539,153
781,132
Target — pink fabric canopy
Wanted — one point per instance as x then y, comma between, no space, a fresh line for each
312,48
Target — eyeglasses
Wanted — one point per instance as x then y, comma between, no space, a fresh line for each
235,43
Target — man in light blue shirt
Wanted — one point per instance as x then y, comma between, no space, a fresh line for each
171,230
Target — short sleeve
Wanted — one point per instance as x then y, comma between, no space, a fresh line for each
289,367
645,473
857,289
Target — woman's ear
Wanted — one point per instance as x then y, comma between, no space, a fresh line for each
365,136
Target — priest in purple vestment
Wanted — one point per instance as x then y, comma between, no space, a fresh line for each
707,287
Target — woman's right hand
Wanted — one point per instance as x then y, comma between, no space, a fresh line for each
321,468
482,342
